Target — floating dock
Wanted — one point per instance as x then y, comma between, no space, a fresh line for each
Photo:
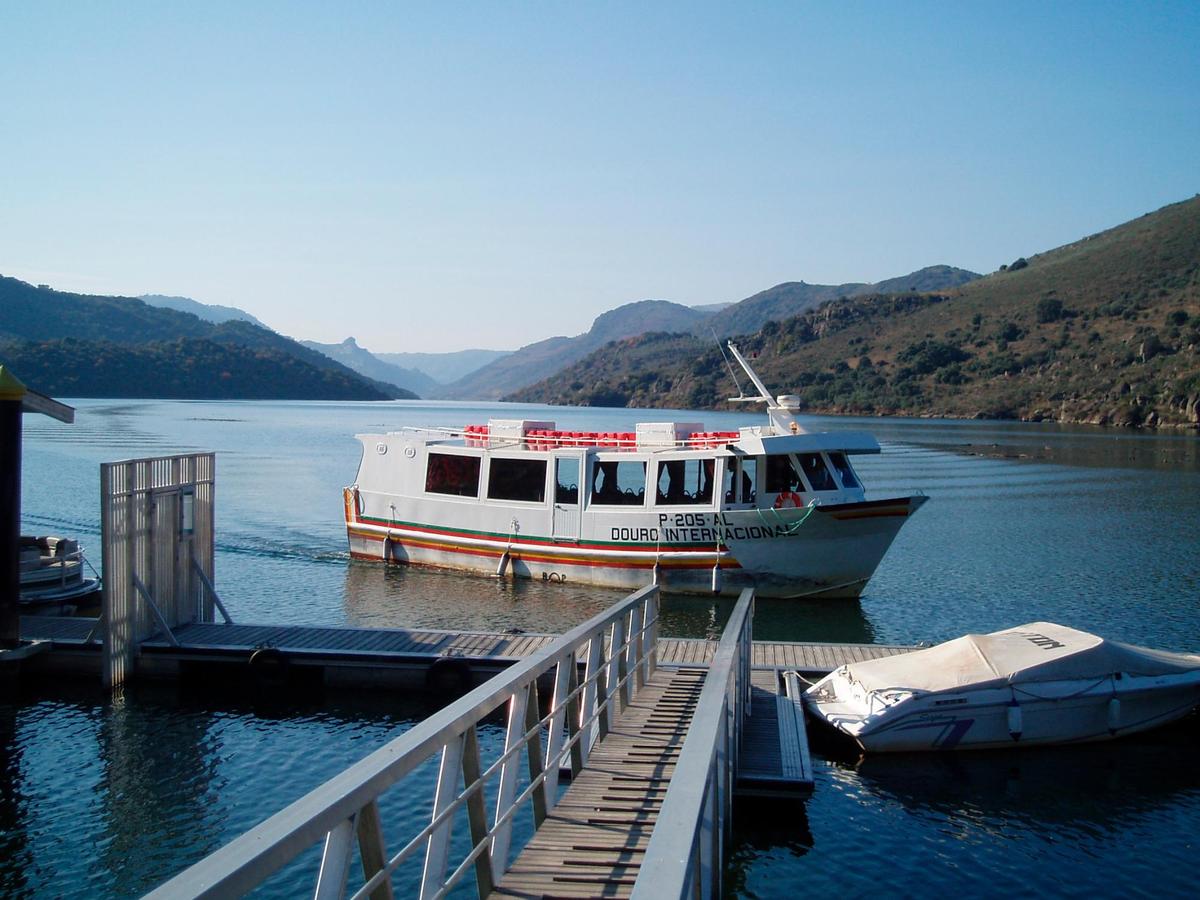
343,656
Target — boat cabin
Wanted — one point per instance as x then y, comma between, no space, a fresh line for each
660,465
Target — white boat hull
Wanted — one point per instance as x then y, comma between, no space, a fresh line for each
1039,683
1077,716
827,552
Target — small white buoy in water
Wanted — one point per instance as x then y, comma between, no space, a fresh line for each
1114,715
1014,720
716,579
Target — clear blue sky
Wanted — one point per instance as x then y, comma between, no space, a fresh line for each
444,176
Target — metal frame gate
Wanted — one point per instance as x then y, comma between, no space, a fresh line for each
157,537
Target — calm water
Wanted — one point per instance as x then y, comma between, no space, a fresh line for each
1088,528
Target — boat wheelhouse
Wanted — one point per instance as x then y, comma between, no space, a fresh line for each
769,506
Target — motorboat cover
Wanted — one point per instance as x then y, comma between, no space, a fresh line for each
1037,652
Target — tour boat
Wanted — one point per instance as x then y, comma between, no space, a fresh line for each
770,506
1039,683
52,572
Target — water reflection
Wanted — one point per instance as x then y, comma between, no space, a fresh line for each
159,771
14,848
387,596
1074,445
1087,788
379,596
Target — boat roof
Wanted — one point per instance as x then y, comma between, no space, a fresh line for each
753,442
649,436
1035,652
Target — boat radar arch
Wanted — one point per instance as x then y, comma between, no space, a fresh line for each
781,410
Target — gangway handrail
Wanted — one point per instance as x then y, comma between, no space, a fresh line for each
685,856
618,649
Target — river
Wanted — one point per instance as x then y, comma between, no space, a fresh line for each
1090,528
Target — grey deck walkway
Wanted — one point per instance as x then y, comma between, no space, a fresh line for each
381,645
593,841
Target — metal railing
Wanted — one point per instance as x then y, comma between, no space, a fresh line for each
685,857
617,650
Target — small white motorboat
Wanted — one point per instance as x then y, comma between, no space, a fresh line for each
1039,683
53,572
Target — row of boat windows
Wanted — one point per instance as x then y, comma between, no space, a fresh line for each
679,482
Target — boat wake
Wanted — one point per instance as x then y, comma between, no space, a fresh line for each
254,546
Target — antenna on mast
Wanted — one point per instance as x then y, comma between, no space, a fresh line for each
764,394
780,410
728,364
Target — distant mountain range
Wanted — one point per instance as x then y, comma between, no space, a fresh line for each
532,362
78,345
444,368
1105,330
210,312
348,353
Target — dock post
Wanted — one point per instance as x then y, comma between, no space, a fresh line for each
12,392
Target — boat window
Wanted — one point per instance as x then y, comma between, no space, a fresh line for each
781,476
449,473
566,480
844,472
685,481
618,482
517,479
741,478
816,472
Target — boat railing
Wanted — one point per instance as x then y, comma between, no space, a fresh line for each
57,567
686,849
616,652
550,439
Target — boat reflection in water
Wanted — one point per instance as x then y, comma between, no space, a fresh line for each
1083,787
409,597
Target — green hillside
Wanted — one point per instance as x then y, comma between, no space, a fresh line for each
1105,330
94,346
794,298
183,369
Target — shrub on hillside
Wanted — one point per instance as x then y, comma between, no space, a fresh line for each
925,357
1049,309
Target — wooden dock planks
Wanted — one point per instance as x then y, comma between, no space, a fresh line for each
592,842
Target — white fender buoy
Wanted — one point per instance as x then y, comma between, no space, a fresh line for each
503,567
657,573
1014,720
1114,715
716,579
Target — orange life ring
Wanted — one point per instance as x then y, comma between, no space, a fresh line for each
788,498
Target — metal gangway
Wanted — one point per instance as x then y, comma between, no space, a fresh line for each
562,707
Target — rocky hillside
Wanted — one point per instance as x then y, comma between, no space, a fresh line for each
794,297
1105,330
366,363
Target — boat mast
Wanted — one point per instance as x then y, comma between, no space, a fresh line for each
780,409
